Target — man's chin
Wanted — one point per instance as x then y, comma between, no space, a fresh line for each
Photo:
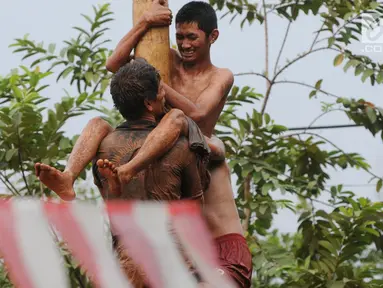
189,60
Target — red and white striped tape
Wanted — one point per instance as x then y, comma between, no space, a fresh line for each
33,259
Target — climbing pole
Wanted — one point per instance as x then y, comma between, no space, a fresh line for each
155,44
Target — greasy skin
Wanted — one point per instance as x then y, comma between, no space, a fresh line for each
192,86
220,209
172,177
219,203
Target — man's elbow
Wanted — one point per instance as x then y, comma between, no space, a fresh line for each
197,116
217,148
111,66
102,127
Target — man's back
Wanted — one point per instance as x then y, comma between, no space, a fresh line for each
174,176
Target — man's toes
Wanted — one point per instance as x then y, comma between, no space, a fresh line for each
110,165
100,163
45,167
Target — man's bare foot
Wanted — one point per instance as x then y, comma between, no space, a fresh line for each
59,182
108,170
124,173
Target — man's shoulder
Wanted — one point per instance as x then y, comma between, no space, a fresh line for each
223,75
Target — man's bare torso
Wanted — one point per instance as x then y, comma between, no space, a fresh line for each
220,209
192,86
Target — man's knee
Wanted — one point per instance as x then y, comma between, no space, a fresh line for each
176,114
176,117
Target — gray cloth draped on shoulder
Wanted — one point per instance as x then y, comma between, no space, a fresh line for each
199,146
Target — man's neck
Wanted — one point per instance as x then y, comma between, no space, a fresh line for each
148,117
198,67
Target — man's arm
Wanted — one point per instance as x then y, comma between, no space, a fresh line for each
158,15
217,148
158,142
170,128
207,101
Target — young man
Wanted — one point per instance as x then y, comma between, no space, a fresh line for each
199,90
140,98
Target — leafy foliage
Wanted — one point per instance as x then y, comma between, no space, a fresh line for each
340,245
30,132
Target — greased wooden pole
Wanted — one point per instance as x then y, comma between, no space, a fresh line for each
155,45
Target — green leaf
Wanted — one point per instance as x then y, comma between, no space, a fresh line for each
234,91
262,209
104,84
89,77
371,114
379,185
374,5
52,121
65,72
337,284
359,69
266,188
318,84
370,231
328,246
17,92
70,56
267,118
338,60
81,99
352,62
367,74
10,153
51,48
331,41
379,78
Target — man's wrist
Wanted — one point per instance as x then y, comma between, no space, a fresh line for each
145,20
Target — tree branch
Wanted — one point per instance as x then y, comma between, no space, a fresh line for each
9,185
269,84
252,73
320,116
307,85
267,96
266,39
21,163
300,57
247,196
316,38
283,46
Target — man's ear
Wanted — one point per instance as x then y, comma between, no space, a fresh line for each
148,105
213,36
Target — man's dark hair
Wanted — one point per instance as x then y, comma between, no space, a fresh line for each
199,12
134,83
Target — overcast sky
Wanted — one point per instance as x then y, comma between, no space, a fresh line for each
239,50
